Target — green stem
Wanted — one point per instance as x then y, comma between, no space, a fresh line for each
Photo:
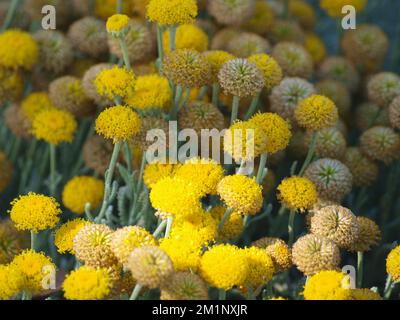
170,221
160,46
388,287
310,154
178,96
261,167
138,189
202,93
160,228
53,172
136,292
172,37
33,240
225,218
15,149
222,294
215,94
253,107
360,269
119,6
125,54
10,14
235,109
128,156
291,227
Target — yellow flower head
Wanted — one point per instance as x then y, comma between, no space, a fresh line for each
155,171
334,7
328,285
87,283
297,193
54,126
216,59
316,112
11,86
34,266
231,228
393,264
244,141
34,212
115,82
11,281
278,250
35,103
64,235
365,294
241,193
270,69
260,267
118,123
172,12
117,23
188,36
18,50
81,190
275,129
151,91
224,266
206,172
315,46
176,196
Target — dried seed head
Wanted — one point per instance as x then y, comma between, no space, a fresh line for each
365,172
286,30
278,250
246,44
394,113
383,88
369,114
97,154
16,122
368,237
330,143
231,12
185,286
337,92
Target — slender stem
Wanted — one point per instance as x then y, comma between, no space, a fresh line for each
222,294
170,220
53,173
128,156
135,292
215,94
225,218
310,154
177,99
10,14
291,227
33,240
160,45
202,93
125,54
160,228
15,149
388,287
360,268
339,35
172,36
138,189
119,6
235,109
253,106
261,167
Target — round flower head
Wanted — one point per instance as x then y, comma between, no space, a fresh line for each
96,154
328,285
336,223
11,85
369,235
232,228
118,123
6,171
234,12
18,50
270,69
241,193
294,59
380,143
393,264
244,141
172,12
157,170
241,78
334,8
303,12
206,172
89,36
286,96
139,43
262,19
200,115
152,91
364,294
337,92
286,30
223,37
92,245
152,122
125,240
12,241
188,36
115,82
278,250
185,286
150,266
117,24
297,193
369,115
394,113
224,266
82,190
32,264
330,143
88,82
366,46
275,129
365,172
11,282
383,88
67,93
331,177
176,196
55,51
216,59
246,44
87,283
34,212
315,46
64,235
54,126
260,267
34,104
312,253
